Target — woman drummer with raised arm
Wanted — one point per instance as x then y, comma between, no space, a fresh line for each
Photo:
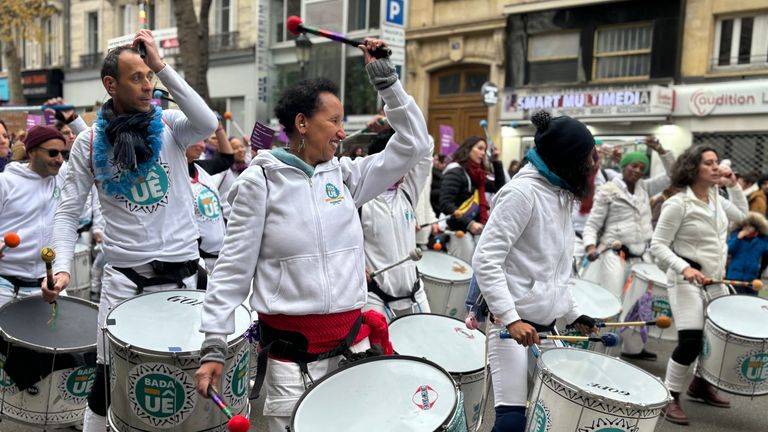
690,242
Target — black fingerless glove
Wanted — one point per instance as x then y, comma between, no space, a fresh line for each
585,320
381,73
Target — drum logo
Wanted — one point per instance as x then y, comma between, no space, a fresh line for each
540,420
582,345
754,367
706,348
207,205
237,378
424,397
464,332
661,307
161,395
76,384
333,193
6,383
150,193
610,425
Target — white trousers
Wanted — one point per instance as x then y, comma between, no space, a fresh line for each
6,292
687,302
285,383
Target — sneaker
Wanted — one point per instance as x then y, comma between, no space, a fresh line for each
700,389
642,355
674,413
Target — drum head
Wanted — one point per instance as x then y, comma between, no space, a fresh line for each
441,339
166,321
743,315
650,273
445,267
25,322
594,300
605,376
379,394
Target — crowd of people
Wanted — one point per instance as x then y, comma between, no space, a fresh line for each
296,232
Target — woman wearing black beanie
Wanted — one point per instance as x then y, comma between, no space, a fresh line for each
523,258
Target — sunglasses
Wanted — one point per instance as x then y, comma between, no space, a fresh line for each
52,153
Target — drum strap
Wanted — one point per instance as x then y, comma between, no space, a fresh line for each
20,282
692,263
374,287
166,273
291,346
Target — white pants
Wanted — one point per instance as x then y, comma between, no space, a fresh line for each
6,292
687,302
400,307
115,289
509,369
462,248
578,250
284,385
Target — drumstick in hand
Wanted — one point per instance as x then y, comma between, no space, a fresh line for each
413,255
660,322
10,240
48,255
608,339
756,284
236,423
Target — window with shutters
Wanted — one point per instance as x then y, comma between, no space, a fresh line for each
623,53
553,58
741,42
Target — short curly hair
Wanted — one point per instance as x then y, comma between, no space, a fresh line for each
302,98
686,167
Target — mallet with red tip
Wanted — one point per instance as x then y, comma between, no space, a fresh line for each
10,240
236,423
296,26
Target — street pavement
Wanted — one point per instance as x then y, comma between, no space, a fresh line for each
746,415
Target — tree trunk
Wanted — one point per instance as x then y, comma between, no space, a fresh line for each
15,88
193,44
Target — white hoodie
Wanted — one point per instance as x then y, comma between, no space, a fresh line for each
299,238
27,205
523,258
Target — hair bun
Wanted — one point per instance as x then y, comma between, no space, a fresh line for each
541,120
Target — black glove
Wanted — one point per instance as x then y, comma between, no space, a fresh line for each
585,320
381,73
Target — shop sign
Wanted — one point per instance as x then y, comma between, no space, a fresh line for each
742,97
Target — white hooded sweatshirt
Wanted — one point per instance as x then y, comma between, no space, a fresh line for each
523,258
27,205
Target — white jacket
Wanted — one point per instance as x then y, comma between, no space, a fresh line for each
389,230
688,228
523,258
27,205
208,212
156,222
299,238
623,216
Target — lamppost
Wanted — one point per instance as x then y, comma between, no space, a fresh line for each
303,52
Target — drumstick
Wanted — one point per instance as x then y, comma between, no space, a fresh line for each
615,246
756,284
382,121
142,25
456,214
413,255
458,234
295,25
48,255
37,108
236,423
160,94
608,339
10,240
660,322
228,116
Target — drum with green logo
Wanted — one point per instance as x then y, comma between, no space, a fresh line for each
446,282
649,278
48,367
154,345
579,390
734,356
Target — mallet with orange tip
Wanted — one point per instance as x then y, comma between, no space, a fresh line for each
10,240
756,284
660,322
228,116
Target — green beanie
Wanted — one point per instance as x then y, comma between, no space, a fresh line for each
633,157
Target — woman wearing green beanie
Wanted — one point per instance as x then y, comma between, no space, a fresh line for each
622,213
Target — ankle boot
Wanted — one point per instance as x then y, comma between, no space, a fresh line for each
701,389
674,412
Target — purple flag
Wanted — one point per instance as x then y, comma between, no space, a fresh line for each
447,145
50,117
261,137
34,120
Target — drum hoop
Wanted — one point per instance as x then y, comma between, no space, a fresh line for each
588,394
647,279
164,354
445,281
374,359
43,348
712,322
453,374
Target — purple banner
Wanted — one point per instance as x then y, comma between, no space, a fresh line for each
447,145
261,137
34,120
50,117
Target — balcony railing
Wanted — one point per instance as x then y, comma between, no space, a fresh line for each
91,61
223,41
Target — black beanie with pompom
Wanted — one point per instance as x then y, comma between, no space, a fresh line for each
561,139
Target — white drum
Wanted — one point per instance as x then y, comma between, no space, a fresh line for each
578,390
648,277
446,282
80,281
447,342
734,357
154,344
382,394
594,301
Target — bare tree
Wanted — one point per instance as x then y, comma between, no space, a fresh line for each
193,43
19,20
